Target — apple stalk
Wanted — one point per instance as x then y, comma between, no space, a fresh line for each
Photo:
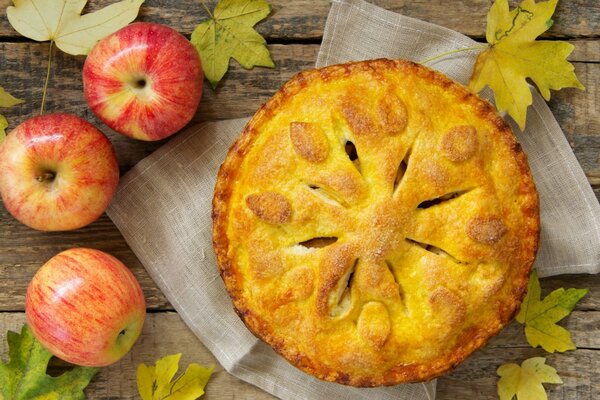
47,77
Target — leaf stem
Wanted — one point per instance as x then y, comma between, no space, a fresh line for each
47,77
207,9
447,53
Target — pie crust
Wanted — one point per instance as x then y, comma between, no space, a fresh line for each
375,223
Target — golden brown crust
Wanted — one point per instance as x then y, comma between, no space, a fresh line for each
309,141
460,143
368,320
271,207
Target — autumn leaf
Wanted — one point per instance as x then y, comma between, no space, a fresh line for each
3,126
525,381
6,100
61,22
156,382
229,33
513,56
540,316
24,376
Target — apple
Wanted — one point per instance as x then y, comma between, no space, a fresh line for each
58,172
144,81
86,307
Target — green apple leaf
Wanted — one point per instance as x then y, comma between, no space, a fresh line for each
61,21
24,376
229,33
6,100
540,316
157,383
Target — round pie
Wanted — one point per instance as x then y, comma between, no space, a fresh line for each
375,223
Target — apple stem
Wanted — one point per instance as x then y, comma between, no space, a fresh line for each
45,177
447,53
47,77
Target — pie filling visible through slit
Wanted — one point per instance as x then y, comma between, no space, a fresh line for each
375,223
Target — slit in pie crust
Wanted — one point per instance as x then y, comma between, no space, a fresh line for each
375,223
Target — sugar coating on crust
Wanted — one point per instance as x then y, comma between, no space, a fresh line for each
460,143
309,141
271,207
375,223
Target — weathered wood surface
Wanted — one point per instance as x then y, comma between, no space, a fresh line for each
305,19
165,333
23,70
293,31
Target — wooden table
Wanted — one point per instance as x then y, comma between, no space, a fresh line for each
294,31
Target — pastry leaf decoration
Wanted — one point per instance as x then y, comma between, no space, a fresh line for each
24,376
157,383
61,22
540,316
6,100
513,55
525,381
229,34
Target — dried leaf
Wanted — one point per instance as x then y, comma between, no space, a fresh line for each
540,316
61,21
525,381
229,33
6,100
3,126
514,55
156,382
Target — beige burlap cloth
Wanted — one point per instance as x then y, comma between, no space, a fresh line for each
163,206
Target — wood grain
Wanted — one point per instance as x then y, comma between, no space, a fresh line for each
476,378
293,30
305,19
163,334
23,75
23,250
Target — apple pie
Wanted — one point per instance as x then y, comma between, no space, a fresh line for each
375,223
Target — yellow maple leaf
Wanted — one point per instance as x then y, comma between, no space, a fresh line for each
540,316
514,55
156,382
525,381
61,21
3,126
229,34
6,100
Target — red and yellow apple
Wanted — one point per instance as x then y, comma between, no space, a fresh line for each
144,81
58,172
86,307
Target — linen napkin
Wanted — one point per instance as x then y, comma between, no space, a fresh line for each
163,206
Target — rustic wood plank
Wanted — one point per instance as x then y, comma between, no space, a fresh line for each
583,325
165,333
305,19
23,74
476,378
22,250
